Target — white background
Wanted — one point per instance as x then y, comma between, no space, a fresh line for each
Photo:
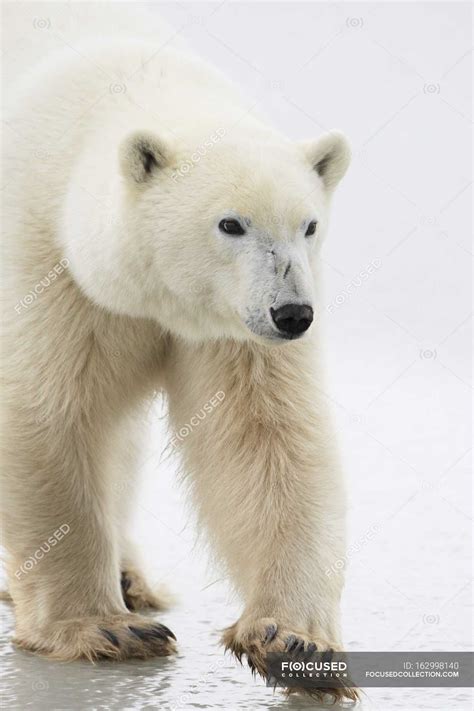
396,78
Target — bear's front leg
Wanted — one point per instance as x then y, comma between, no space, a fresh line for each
63,548
253,426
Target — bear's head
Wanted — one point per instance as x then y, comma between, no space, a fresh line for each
220,241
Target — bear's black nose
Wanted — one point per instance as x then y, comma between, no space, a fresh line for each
292,319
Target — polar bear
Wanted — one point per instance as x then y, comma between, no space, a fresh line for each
161,236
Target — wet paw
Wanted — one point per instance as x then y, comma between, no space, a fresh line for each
254,641
118,637
138,595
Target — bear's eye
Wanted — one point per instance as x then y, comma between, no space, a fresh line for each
311,229
231,227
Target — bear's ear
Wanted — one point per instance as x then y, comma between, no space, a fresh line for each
141,155
330,156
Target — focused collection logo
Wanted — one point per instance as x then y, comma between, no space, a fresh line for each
310,667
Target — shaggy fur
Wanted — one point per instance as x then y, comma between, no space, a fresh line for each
150,294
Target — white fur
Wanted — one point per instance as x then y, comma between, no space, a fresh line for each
155,295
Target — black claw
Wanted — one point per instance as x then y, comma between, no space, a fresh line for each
158,633
166,630
327,655
270,633
299,646
140,633
110,636
148,633
161,632
290,642
312,648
